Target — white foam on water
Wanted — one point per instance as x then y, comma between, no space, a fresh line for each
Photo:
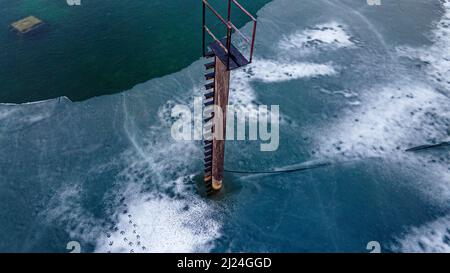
340,5
403,115
167,216
433,237
242,94
163,211
275,71
388,119
329,36
393,117
345,93
153,222
163,225
436,58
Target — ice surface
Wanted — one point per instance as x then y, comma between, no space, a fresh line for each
106,170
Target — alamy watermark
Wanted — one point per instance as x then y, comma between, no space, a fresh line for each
263,124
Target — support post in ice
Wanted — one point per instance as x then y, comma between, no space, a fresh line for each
222,89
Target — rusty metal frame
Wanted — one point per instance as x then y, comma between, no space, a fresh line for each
252,42
230,27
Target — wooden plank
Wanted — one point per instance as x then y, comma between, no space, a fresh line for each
236,59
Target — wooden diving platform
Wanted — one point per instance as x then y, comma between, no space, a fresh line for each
236,58
27,24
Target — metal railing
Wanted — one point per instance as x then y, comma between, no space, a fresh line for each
230,26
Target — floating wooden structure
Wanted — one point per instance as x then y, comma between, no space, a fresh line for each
27,24
225,57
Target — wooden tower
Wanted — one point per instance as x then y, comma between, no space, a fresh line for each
225,57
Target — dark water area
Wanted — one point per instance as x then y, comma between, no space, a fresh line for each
99,47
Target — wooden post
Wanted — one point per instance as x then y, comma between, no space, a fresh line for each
221,87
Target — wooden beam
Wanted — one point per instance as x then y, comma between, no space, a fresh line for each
221,87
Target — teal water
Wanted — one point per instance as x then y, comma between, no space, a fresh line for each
357,85
100,47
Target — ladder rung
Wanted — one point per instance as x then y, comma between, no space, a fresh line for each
207,119
208,152
207,178
209,95
210,65
210,54
208,114
208,135
208,158
207,111
208,169
208,164
208,103
210,76
209,85
208,126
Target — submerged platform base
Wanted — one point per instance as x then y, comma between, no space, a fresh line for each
27,24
